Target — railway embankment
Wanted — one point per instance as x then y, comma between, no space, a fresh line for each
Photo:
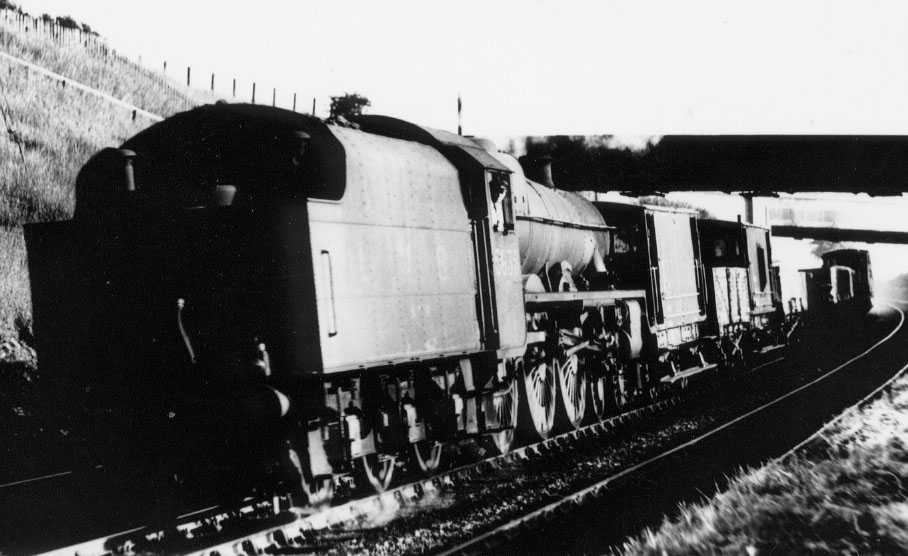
843,492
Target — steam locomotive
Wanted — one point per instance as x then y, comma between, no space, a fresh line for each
251,294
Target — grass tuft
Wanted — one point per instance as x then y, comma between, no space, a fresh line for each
851,497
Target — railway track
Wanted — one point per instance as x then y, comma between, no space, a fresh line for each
296,532
294,529
494,538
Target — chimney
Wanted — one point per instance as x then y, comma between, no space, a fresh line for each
129,180
538,169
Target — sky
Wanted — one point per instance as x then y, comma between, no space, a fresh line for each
634,69
537,68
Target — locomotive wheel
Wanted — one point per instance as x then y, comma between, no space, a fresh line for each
428,455
378,470
599,391
541,391
654,388
619,399
572,383
506,402
319,491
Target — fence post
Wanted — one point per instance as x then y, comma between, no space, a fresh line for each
188,75
253,92
212,81
313,106
234,87
294,102
274,96
165,67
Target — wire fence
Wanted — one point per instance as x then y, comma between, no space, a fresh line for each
180,95
95,46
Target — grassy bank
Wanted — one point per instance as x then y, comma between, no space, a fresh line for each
49,132
846,492
111,74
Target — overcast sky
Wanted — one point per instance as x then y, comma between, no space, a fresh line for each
532,67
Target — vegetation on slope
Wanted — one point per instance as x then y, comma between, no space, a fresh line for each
51,130
845,493
102,70
47,132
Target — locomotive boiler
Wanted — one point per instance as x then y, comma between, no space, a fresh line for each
250,293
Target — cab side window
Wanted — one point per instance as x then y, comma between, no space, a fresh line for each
502,203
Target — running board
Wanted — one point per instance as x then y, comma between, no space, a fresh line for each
687,373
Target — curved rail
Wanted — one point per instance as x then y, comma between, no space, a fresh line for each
362,507
599,486
285,534
876,391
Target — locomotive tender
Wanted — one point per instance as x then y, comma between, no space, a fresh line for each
252,290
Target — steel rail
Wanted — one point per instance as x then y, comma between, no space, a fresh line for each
36,479
396,497
869,397
601,485
358,509
42,478
361,508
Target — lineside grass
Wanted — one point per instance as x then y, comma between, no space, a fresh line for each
15,298
846,492
115,76
47,133
58,130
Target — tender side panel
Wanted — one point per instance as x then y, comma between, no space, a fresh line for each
759,256
677,270
393,260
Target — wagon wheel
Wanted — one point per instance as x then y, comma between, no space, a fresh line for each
505,402
572,381
378,470
541,390
427,455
